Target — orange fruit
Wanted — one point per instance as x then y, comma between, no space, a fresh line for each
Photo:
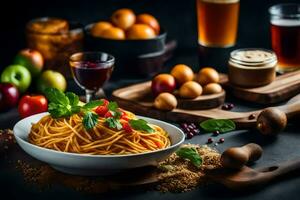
123,18
140,31
182,73
99,27
113,33
149,20
208,75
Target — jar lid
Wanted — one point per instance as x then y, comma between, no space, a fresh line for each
252,56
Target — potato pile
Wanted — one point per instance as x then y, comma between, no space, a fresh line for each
184,83
124,24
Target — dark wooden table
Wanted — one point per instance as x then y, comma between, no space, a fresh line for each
286,146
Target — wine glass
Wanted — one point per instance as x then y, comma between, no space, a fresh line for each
91,70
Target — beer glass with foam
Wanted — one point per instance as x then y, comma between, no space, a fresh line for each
217,22
285,35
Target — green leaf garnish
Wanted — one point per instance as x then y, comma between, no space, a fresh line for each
222,125
113,123
93,104
65,105
140,124
56,96
114,109
190,154
112,106
90,120
58,110
73,98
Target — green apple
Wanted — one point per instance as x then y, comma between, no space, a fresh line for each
17,75
31,59
51,79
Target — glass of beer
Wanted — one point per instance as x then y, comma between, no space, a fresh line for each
285,35
217,22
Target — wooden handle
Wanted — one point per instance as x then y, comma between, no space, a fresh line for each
291,109
253,150
237,157
286,168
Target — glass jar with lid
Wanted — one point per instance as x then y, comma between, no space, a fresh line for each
252,67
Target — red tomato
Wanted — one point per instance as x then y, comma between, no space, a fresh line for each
105,102
30,105
101,110
108,114
127,127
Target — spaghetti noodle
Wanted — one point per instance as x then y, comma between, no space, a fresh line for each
69,135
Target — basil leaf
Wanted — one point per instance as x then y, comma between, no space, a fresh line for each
73,98
58,110
90,120
190,154
93,104
56,96
113,123
75,109
140,124
112,106
222,125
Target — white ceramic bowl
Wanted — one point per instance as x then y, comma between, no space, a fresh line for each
83,164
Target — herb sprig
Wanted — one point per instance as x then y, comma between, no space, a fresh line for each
191,154
65,105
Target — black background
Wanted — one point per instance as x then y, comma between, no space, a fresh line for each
179,19
177,16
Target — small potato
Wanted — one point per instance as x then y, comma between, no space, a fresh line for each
165,101
208,75
190,89
212,88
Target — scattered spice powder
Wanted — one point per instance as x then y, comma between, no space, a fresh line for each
174,174
180,175
7,140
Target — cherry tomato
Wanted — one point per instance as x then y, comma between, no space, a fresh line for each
30,105
124,115
105,102
101,110
127,127
108,114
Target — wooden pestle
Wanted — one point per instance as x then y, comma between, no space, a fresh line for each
237,157
273,120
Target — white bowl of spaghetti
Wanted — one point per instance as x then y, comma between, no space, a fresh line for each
104,162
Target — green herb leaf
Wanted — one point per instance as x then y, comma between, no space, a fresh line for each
222,125
112,106
93,104
90,120
56,96
73,98
113,123
58,110
190,154
114,109
140,124
75,109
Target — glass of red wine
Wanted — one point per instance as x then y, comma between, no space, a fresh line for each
91,70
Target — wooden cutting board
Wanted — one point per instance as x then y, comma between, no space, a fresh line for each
140,94
242,119
282,88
